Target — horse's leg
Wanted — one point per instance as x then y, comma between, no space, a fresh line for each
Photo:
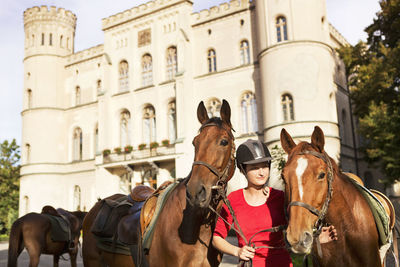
72,256
56,259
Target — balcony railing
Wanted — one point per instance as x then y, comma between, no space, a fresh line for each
139,154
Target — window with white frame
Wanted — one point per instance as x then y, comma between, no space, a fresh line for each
123,76
213,107
77,198
77,96
172,121
212,60
147,70
248,110
124,128
149,124
281,29
244,52
77,144
287,107
172,62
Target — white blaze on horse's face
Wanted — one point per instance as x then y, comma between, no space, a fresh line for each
301,167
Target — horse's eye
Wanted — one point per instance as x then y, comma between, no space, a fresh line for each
224,142
321,175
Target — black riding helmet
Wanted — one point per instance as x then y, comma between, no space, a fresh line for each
252,152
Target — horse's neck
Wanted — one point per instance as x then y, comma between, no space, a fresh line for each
345,198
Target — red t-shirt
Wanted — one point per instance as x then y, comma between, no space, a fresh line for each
255,218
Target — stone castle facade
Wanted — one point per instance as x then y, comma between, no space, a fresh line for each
99,121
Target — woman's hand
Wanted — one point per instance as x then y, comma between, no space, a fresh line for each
328,234
246,253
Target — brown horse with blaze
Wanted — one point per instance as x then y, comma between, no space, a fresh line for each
183,232
318,193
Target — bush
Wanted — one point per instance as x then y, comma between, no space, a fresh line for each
154,145
128,149
106,152
117,150
165,142
142,146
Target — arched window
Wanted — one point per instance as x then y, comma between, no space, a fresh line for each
33,40
42,38
212,60
61,41
123,76
67,42
172,62
77,144
96,140
99,89
281,29
248,107
51,39
77,96
213,107
244,52
26,204
29,98
172,121
124,123
77,198
287,107
149,124
147,70
27,153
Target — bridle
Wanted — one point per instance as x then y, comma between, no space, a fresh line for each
223,176
321,214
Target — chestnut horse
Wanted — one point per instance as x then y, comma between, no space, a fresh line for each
33,232
318,193
183,233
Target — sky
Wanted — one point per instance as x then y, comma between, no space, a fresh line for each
349,17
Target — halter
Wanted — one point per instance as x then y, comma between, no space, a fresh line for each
222,176
319,213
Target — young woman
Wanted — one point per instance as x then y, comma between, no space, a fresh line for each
257,207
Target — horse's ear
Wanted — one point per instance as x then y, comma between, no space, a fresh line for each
226,112
318,138
202,114
286,141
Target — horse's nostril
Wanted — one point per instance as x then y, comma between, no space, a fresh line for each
201,194
307,239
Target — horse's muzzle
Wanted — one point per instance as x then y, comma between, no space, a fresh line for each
303,245
200,199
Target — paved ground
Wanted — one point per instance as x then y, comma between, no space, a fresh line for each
47,260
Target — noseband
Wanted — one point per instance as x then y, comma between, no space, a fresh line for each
222,176
319,213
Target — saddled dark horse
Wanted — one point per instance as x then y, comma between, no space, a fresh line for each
317,192
33,232
183,232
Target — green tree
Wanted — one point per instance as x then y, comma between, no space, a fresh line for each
9,183
373,72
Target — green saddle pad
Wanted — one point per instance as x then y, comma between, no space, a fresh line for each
60,231
382,220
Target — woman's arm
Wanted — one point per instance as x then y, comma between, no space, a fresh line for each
244,253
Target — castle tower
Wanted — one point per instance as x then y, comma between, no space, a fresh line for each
49,37
297,71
